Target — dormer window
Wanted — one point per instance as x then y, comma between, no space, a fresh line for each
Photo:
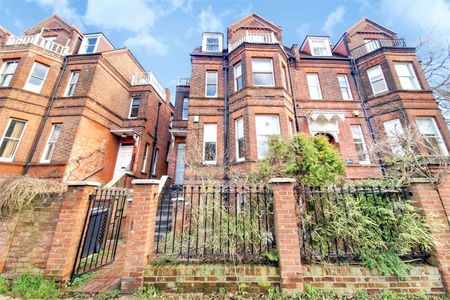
212,42
89,45
320,46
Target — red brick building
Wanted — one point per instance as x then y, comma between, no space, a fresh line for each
74,107
367,85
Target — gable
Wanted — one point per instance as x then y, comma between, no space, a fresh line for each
367,26
53,23
254,21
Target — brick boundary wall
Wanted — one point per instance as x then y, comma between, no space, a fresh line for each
348,280
211,278
435,207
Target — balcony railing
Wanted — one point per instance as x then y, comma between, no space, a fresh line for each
254,38
38,40
373,45
148,78
184,81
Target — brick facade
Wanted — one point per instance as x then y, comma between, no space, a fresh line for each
95,117
289,98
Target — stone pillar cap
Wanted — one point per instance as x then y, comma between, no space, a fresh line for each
282,180
83,183
145,181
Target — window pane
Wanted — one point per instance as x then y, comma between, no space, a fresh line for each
266,125
210,141
8,148
15,129
211,90
210,151
40,71
262,65
211,77
379,86
263,79
314,86
185,114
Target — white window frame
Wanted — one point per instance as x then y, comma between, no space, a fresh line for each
131,108
376,79
239,136
207,139
258,72
70,84
155,162
394,130
360,135
3,73
347,87
442,147
145,158
315,41
264,135
10,159
291,127
216,84
84,44
412,76
213,35
34,88
49,143
311,87
185,108
235,69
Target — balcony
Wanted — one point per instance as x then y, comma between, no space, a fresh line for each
373,45
144,78
39,41
184,81
254,38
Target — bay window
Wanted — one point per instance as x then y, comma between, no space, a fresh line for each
432,137
377,80
51,143
72,83
36,78
262,72
11,139
7,72
394,133
266,126
240,139
407,76
134,107
237,77
360,144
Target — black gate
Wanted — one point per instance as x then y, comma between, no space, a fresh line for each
101,231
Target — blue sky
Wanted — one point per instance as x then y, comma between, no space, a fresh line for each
161,34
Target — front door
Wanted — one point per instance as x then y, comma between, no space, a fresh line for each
179,167
123,162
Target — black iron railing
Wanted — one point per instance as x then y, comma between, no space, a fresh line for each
375,44
215,224
318,209
100,237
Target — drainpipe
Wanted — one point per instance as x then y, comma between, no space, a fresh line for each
226,158
155,141
297,126
44,119
356,78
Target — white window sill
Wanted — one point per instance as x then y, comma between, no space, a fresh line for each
2,159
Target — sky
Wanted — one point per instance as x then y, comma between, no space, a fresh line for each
162,33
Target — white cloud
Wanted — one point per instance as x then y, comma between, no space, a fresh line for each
209,21
148,42
61,8
303,30
429,16
131,15
333,19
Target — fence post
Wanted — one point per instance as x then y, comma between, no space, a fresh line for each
140,233
68,231
436,212
287,234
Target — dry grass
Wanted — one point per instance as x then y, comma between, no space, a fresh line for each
23,192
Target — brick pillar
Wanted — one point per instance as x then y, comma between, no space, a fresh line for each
432,204
140,233
287,234
68,231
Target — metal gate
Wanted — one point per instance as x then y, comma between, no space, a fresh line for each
101,231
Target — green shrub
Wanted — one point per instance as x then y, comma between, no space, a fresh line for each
4,285
313,161
28,286
146,292
109,295
82,279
